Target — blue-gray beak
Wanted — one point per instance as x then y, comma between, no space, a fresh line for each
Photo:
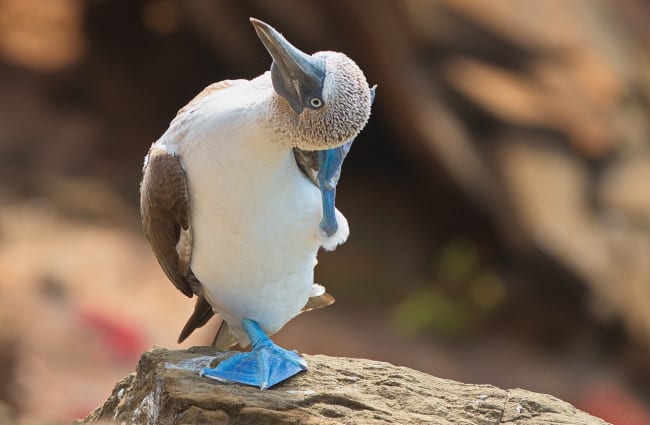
297,76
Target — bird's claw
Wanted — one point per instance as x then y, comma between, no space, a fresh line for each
265,366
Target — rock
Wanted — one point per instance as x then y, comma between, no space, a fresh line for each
167,389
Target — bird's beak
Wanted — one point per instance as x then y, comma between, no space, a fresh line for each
296,76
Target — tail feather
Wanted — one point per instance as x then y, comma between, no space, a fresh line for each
224,339
202,313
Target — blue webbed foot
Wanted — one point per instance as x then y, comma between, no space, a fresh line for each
265,366
330,162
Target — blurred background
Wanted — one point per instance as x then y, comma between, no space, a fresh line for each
499,197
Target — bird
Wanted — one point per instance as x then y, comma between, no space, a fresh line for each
238,196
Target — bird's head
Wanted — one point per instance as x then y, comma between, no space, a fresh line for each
323,100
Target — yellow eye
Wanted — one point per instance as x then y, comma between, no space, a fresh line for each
315,102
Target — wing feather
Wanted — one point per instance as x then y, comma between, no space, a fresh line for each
202,313
165,213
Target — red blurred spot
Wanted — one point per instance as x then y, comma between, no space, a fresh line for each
80,412
122,340
614,404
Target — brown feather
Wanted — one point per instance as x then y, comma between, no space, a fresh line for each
202,313
165,213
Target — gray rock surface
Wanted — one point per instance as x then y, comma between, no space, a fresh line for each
167,389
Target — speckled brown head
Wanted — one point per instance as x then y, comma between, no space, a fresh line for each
323,100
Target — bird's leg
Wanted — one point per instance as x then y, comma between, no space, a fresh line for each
330,162
264,366
329,172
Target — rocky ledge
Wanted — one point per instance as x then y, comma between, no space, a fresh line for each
167,389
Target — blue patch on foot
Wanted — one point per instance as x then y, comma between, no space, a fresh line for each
330,162
265,366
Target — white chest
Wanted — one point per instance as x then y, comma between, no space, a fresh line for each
254,223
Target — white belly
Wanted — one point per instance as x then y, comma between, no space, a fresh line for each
255,230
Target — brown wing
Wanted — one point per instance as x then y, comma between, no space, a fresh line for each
165,210
165,213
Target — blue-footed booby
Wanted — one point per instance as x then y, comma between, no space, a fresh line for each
238,196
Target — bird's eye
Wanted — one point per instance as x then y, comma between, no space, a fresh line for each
315,102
